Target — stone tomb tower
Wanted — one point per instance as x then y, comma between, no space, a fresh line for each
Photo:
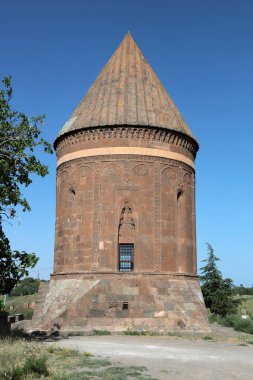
125,246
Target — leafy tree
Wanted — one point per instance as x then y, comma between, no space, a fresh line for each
19,137
219,294
13,264
26,286
244,291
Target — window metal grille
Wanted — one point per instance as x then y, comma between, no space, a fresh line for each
126,257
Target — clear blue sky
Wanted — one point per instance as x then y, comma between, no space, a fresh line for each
202,51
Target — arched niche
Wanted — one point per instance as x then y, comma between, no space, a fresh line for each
85,194
184,226
140,170
169,174
168,217
126,238
111,172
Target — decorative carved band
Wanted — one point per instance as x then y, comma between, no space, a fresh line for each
129,132
134,159
126,150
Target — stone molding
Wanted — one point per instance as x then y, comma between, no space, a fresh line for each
123,151
129,132
184,275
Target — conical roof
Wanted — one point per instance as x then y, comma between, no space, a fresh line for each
127,92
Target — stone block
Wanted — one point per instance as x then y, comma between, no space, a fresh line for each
168,306
85,302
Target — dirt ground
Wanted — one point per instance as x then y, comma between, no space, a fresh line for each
169,358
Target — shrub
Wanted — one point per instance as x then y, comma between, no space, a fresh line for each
2,306
244,325
32,366
27,286
36,366
207,337
101,332
236,321
229,321
132,332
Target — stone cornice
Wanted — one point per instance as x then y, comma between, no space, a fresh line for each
130,132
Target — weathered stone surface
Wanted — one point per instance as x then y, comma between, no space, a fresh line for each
162,232
125,176
77,304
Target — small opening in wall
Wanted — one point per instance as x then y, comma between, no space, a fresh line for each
72,191
180,192
125,306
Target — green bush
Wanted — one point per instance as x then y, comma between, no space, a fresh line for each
36,366
207,337
242,290
2,306
101,332
32,366
213,318
244,325
132,332
27,286
229,321
235,321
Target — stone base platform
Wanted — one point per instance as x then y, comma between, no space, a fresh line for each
122,301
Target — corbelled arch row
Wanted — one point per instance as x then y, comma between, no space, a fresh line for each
125,239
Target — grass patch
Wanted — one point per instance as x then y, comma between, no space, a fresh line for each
247,304
32,368
133,332
22,359
153,333
207,337
101,332
74,333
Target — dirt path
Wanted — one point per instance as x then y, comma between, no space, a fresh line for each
167,358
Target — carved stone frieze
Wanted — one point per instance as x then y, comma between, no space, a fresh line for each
129,132
132,160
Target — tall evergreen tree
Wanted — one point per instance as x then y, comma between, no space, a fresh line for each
219,294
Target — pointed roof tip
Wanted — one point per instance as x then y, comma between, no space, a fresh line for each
128,34
127,92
